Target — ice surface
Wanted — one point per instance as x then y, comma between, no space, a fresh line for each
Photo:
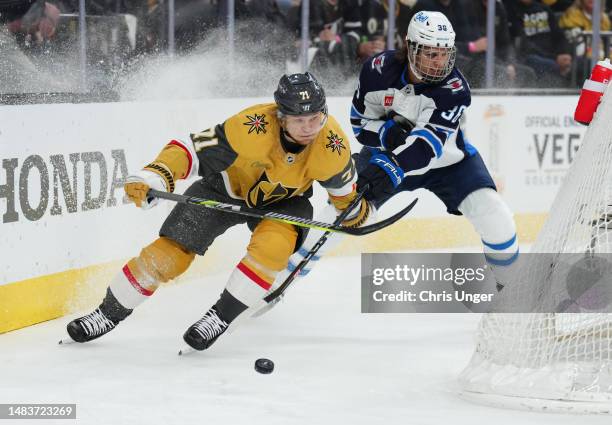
334,365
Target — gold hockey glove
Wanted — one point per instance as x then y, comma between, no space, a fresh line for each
172,163
360,213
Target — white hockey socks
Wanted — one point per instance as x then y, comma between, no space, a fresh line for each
493,221
128,290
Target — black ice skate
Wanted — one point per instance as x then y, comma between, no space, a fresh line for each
90,327
97,323
203,333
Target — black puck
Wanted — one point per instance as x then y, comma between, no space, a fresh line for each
264,366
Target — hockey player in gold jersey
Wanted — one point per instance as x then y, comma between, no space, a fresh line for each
268,157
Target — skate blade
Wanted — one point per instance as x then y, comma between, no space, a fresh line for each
264,307
186,351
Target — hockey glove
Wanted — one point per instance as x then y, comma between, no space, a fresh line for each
137,185
383,175
391,135
401,120
395,131
359,215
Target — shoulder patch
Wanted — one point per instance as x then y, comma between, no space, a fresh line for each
378,62
336,143
257,123
455,85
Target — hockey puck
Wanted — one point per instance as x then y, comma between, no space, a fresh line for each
264,366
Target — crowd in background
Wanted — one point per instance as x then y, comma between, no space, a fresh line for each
539,43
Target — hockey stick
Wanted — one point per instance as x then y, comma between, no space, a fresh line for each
284,218
272,298
278,292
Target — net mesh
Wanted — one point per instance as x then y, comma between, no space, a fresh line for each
563,356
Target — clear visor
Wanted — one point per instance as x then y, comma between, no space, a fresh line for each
431,64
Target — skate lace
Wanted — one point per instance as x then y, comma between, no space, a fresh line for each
210,325
96,323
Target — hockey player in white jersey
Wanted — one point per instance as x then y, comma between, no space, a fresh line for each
406,112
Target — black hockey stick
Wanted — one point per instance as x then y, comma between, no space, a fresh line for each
284,218
272,298
278,292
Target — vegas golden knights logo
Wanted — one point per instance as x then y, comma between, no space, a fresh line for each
264,192
257,123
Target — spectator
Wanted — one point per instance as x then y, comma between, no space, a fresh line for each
195,19
25,28
558,6
542,45
265,18
578,18
507,73
374,14
34,21
152,21
335,30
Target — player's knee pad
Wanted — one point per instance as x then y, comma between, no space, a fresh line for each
161,261
493,221
272,243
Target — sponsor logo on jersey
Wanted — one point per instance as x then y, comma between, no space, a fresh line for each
258,164
454,84
388,101
335,143
378,63
265,192
257,123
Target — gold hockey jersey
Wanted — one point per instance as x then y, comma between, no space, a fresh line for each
247,150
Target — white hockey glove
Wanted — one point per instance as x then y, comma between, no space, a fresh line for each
137,185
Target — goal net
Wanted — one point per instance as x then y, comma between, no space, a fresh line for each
558,361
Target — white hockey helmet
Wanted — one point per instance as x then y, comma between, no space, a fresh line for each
431,46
